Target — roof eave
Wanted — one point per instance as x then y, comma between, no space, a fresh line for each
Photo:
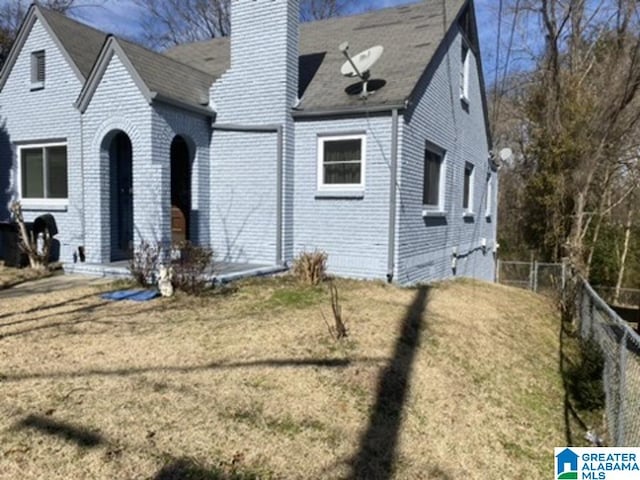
348,110
201,109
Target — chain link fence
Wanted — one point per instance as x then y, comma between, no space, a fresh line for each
624,297
619,345
545,278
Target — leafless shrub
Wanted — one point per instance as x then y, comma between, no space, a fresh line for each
310,267
144,264
189,267
339,329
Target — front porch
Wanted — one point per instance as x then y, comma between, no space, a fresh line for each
219,273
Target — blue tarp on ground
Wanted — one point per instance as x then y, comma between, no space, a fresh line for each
135,295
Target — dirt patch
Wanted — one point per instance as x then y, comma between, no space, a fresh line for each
248,383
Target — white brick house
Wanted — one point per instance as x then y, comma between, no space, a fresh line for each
254,146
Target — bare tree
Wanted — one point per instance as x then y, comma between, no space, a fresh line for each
173,22
582,119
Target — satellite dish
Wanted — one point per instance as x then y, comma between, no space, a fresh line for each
360,65
506,154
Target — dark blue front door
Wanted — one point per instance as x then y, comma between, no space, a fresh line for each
121,198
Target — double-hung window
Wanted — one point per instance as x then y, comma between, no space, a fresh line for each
37,70
43,173
341,162
433,186
467,194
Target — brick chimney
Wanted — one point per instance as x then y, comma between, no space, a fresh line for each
262,84
251,170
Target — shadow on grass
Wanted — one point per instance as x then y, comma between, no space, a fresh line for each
288,362
80,318
188,469
78,435
377,454
42,308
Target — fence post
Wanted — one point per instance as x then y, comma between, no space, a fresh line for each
498,271
622,371
536,266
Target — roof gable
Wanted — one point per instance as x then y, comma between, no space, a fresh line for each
158,77
35,14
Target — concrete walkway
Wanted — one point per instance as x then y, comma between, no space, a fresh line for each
54,283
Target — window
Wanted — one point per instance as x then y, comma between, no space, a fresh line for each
43,172
467,195
37,69
432,190
341,162
464,73
489,197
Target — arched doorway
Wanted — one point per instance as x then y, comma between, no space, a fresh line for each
180,190
121,195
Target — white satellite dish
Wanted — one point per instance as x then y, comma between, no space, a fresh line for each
506,154
360,64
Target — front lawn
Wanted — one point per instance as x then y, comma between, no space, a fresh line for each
455,381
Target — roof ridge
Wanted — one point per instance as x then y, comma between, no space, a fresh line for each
75,20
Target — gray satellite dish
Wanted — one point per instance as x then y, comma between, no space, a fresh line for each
360,64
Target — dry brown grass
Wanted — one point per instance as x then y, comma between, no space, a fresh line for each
251,382
10,277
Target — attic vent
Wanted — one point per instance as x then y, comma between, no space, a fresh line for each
37,69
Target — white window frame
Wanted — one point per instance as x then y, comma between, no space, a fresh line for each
38,84
465,59
349,187
40,202
439,209
468,210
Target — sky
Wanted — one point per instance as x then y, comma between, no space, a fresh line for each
122,17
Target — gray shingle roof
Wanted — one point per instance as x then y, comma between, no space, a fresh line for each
81,42
168,77
163,75
409,34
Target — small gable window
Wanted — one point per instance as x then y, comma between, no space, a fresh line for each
37,69
464,73
341,162
43,172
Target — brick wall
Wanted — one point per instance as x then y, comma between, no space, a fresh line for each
425,244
